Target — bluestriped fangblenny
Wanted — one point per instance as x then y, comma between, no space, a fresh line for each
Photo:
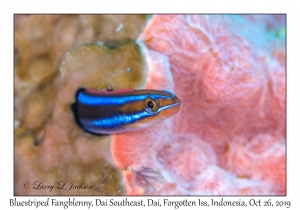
109,112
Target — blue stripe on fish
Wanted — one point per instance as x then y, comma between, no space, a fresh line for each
116,121
107,99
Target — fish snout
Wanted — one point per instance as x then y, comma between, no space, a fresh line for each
176,100
171,107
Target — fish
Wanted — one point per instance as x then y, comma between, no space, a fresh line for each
118,111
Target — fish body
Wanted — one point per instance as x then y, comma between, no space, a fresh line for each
109,112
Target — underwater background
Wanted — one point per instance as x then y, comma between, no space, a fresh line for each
229,71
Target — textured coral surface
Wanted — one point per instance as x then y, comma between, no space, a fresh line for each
229,136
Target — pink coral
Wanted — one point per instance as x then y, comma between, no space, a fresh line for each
229,137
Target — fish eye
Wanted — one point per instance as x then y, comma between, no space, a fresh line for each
151,105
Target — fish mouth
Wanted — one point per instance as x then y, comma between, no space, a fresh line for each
176,103
177,100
